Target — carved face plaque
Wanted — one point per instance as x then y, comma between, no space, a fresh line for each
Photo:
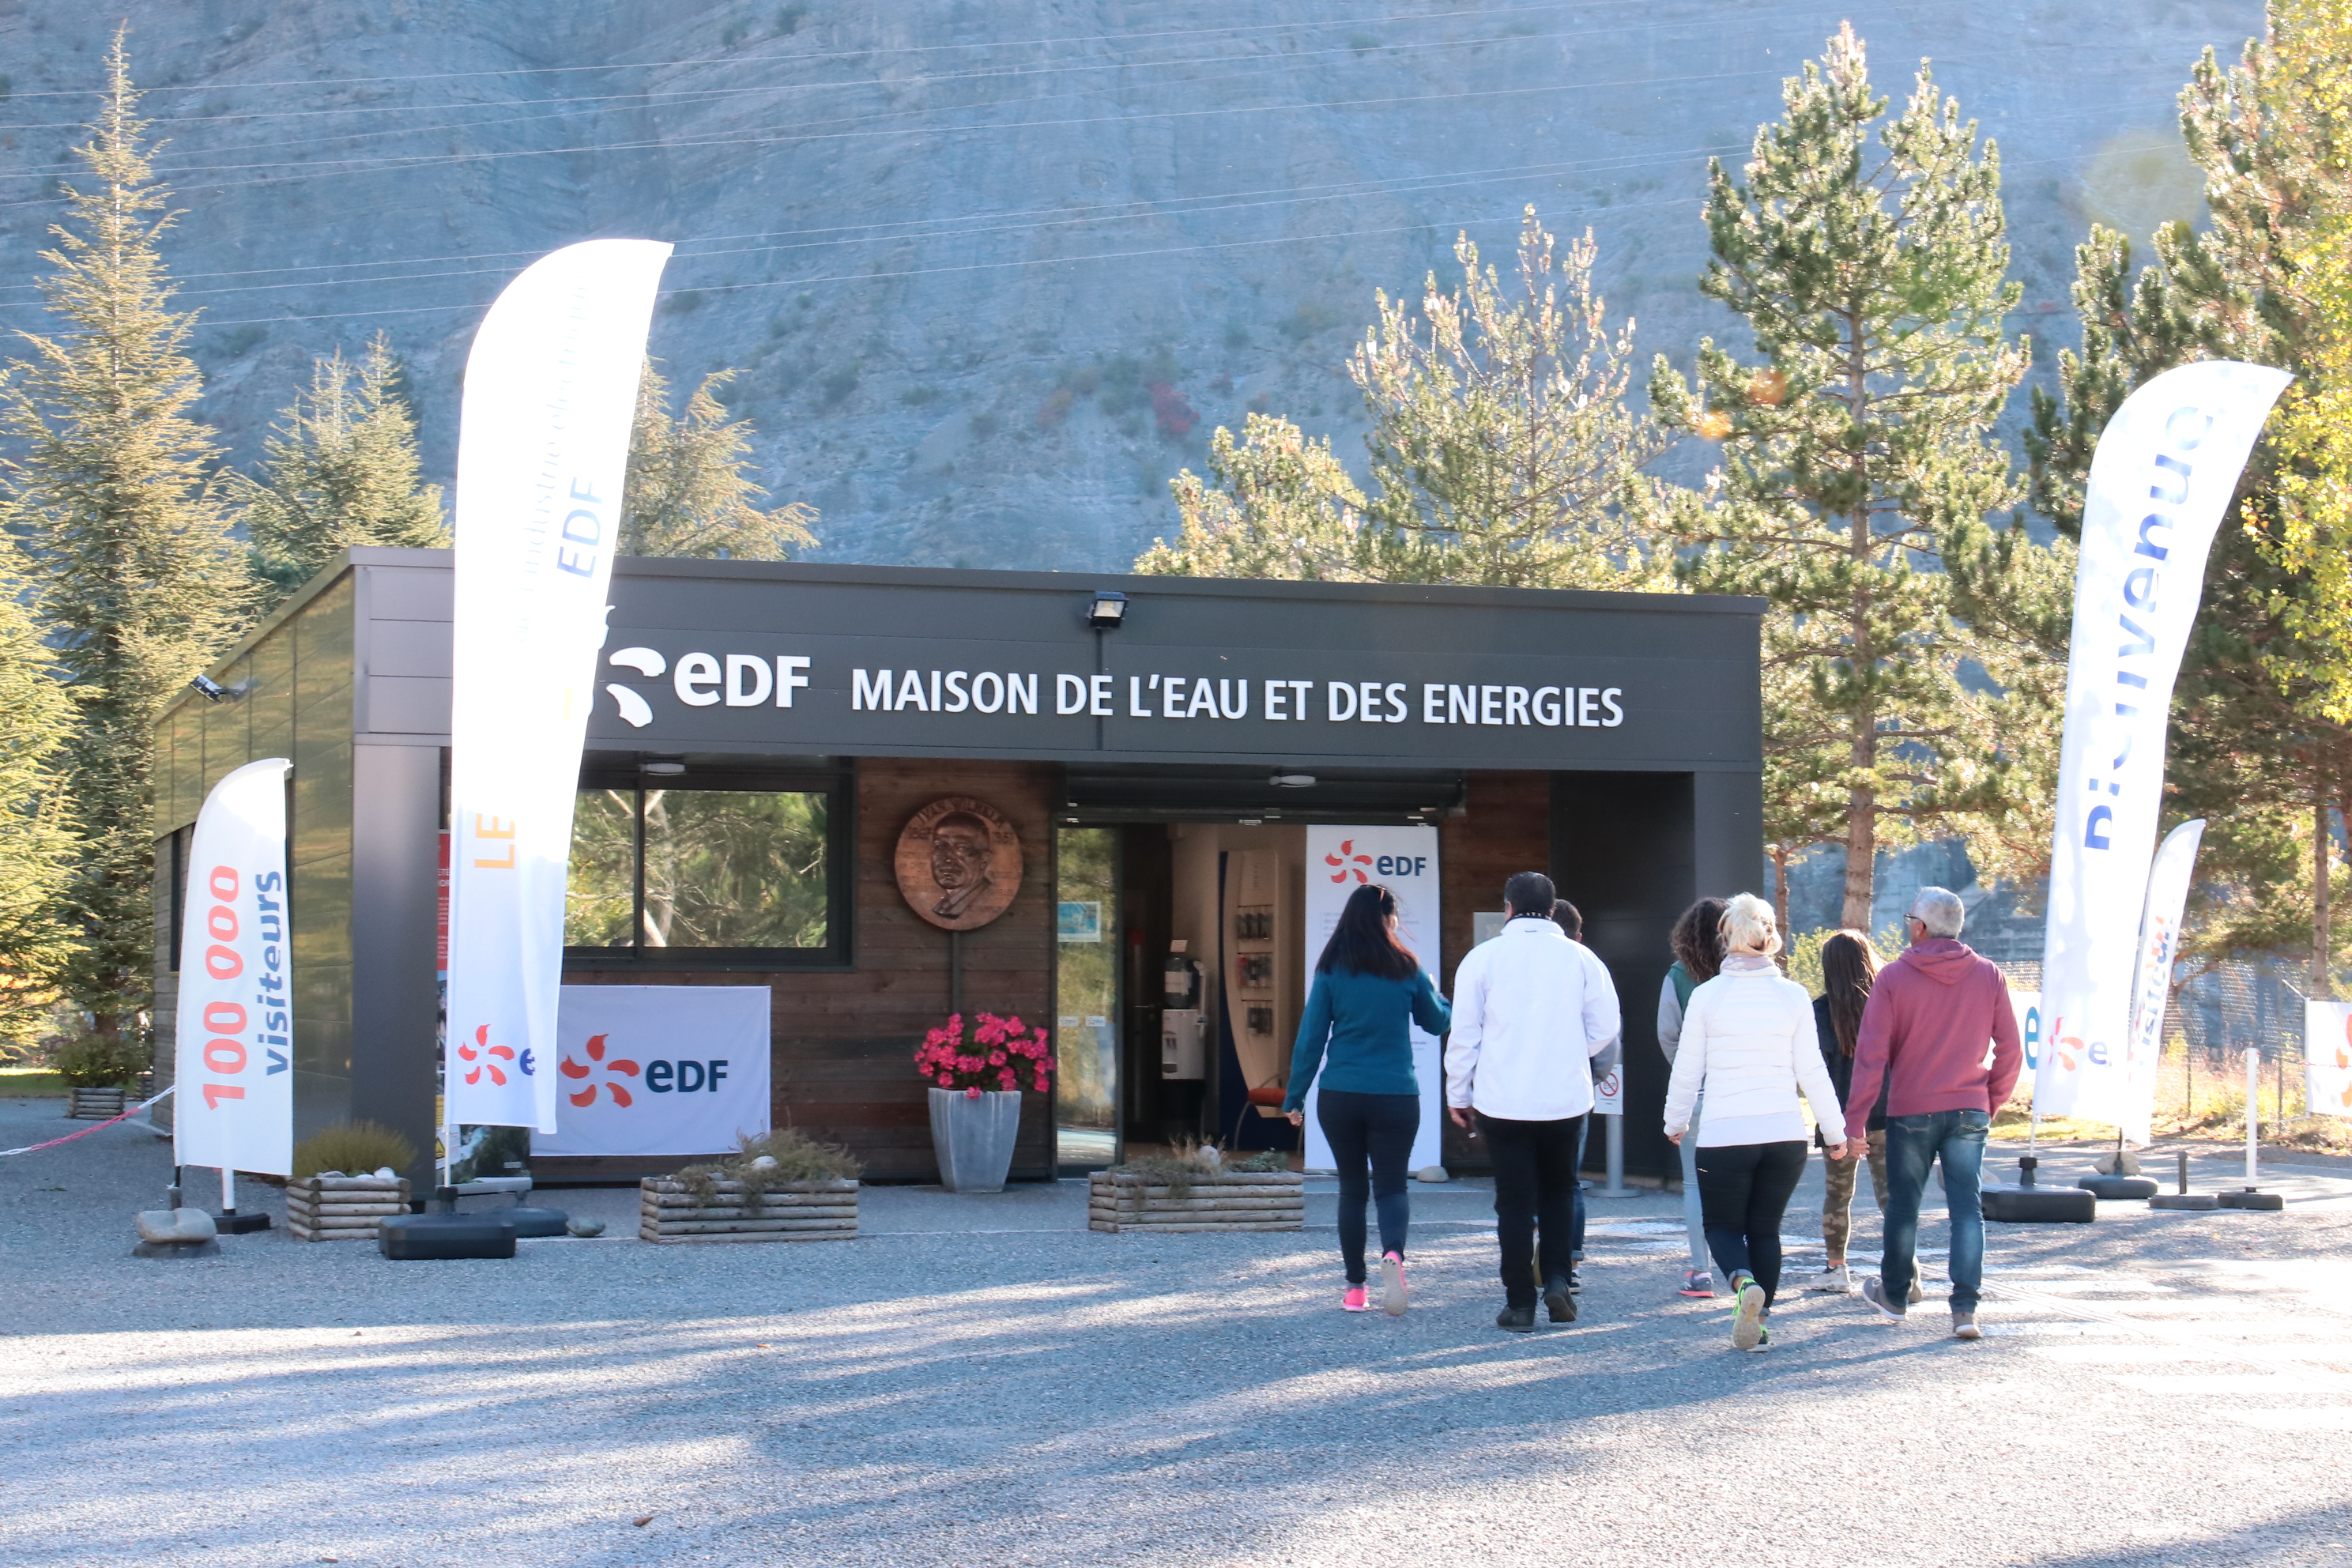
958,863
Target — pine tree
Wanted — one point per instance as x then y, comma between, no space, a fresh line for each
2258,746
1501,446
1275,504
341,470
36,845
1872,275
140,581
687,493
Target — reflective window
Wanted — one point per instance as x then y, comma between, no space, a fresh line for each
657,874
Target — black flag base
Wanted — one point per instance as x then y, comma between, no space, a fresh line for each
229,1222
2248,1198
419,1236
2026,1204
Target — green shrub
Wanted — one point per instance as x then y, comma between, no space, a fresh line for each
102,1061
356,1149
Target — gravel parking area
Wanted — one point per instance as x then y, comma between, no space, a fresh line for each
980,1380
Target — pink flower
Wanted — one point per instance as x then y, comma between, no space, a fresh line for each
1007,1078
946,1082
971,1094
996,1059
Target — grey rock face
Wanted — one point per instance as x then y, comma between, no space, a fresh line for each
991,274
176,1226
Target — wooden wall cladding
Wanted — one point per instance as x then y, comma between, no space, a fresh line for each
843,1044
1507,830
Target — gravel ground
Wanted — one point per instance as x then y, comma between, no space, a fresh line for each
980,1380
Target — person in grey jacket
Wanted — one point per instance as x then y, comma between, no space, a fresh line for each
1697,943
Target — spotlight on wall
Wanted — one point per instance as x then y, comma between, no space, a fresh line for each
664,767
1108,612
1292,781
210,691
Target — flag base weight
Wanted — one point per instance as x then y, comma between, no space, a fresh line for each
2262,1203
2200,1203
443,1236
205,1248
229,1222
529,1219
2119,1187
2026,1204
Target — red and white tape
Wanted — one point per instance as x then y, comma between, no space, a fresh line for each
35,1148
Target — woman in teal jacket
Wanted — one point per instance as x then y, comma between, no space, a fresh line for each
1369,987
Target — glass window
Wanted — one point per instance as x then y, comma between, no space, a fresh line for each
734,868
660,875
1085,1043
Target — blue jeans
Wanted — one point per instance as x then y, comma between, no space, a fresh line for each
1913,1145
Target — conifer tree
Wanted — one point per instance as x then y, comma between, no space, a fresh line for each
2258,744
1275,504
1871,272
36,845
687,493
1501,446
341,470
140,580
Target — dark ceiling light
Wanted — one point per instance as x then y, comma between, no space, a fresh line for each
1108,612
663,767
1292,781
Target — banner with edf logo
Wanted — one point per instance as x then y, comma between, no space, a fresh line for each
658,1069
1405,861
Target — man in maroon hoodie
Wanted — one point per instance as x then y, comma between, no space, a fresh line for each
1936,1018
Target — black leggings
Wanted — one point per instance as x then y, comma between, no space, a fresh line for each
1378,1131
1743,1190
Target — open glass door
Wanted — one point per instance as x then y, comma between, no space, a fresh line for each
1086,1037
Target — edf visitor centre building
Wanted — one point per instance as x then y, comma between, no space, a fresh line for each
883,794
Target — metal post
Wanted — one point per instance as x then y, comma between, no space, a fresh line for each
1613,1132
2253,1112
228,1192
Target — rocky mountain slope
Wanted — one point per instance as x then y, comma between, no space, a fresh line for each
990,272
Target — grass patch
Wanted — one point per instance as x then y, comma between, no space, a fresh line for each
37,1081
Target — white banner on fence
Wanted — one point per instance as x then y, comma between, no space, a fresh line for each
1405,861
234,1055
2327,1057
2159,945
543,448
659,1069
2163,474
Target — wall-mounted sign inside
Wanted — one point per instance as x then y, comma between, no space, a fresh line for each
958,863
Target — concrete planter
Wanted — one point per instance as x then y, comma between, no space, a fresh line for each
972,1135
96,1104
1238,1200
342,1208
791,1211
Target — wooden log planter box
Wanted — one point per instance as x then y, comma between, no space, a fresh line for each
95,1104
669,1211
342,1208
1237,1200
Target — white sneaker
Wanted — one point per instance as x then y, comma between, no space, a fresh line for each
1834,1281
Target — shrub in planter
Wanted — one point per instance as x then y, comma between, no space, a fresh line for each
352,1149
1199,1189
976,1074
784,1186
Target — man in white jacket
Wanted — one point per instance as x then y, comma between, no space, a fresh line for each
1530,1009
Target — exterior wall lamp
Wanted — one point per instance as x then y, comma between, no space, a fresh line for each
1108,613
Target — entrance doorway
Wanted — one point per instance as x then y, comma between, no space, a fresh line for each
1187,1036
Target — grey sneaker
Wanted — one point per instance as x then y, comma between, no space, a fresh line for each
1964,1326
1874,1290
1392,1291
1748,1328
1917,1295
1834,1281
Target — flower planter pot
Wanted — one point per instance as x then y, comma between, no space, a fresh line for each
1237,1200
668,1211
95,1104
972,1135
342,1208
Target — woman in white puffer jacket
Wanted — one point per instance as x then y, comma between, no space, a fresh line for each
1748,1041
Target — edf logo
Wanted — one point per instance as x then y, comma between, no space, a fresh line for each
1400,865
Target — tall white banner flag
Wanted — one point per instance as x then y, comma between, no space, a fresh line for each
1405,861
2327,1056
2162,475
234,1056
543,446
2159,945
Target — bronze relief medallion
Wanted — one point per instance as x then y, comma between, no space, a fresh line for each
958,863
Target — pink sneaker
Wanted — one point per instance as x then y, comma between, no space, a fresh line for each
1392,1292
1357,1299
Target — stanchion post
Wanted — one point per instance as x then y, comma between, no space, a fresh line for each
1613,1142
